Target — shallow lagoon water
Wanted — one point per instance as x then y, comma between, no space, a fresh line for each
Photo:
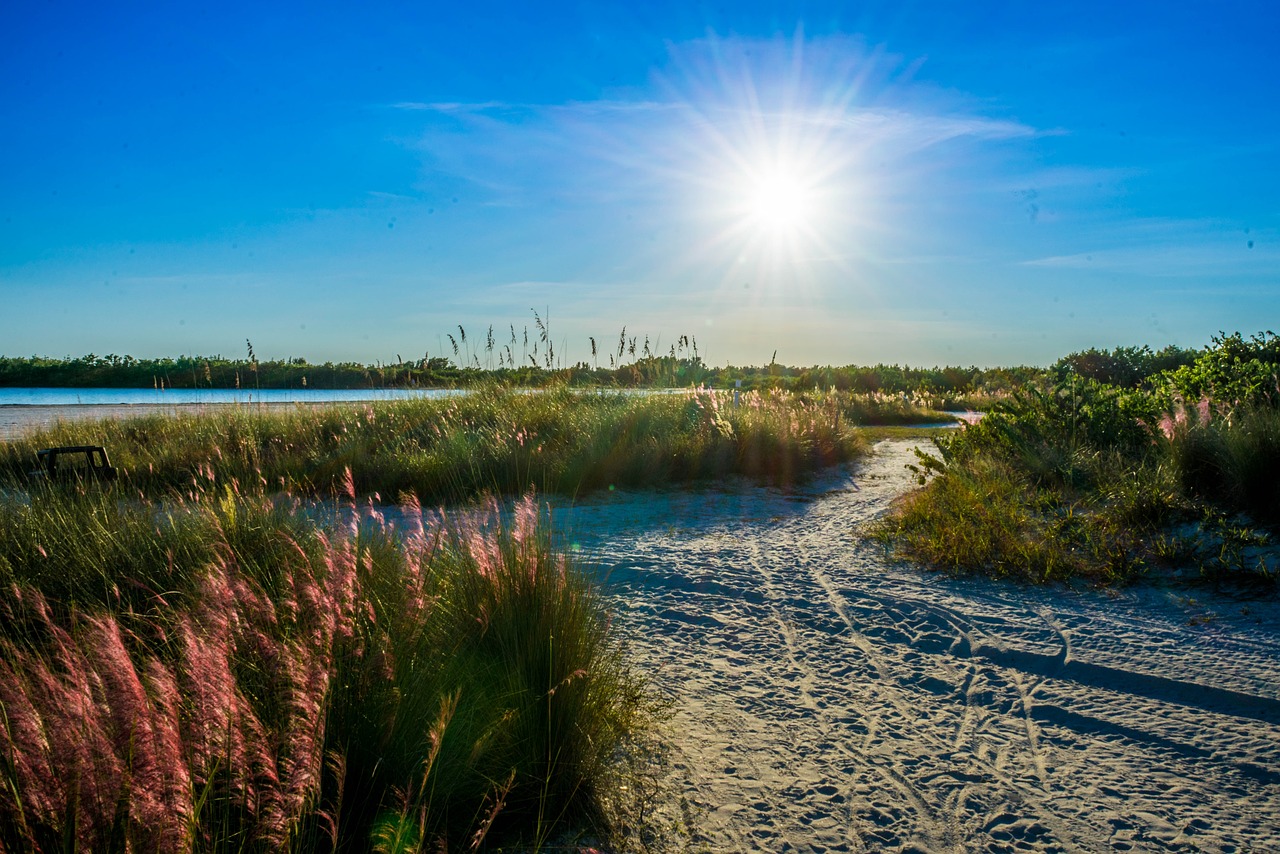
184,396
23,409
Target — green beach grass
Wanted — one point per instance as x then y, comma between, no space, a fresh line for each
493,440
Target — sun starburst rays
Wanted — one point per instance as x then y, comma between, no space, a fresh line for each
770,174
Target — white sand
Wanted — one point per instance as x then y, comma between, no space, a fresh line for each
829,700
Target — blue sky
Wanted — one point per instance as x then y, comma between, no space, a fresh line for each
923,183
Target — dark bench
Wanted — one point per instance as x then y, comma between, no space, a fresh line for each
73,462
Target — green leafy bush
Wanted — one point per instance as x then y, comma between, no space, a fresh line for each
1062,434
1233,372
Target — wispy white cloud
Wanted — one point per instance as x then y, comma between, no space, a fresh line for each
1198,254
719,102
451,106
925,127
1068,177
599,106
616,106
383,196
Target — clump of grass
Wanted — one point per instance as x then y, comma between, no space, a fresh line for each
494,440
260,681
885,409
1232,461
162,718
987,516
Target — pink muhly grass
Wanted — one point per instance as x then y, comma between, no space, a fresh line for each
413,532
159,790
341,586
82,737
87,774
483,553
252,621
287,600
169,748
500,794
327,612
525,520
707,401
315,615
566,681
209,688
302,741
374,514
26,749
79,739
272,768
418,551
1202,412
225,738
474,531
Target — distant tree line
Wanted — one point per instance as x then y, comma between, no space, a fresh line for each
1194,370
191,372
112,371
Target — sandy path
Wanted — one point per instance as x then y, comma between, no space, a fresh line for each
828,700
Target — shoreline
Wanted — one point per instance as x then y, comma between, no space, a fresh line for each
19,418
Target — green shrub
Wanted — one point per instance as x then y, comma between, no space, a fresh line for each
1233,371
1059,435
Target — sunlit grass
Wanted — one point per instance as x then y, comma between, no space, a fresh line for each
449,450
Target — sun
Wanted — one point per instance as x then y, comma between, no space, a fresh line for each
778,201
774,215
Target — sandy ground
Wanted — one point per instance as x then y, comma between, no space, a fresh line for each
828,699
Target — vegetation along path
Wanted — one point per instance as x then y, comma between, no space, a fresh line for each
828,699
